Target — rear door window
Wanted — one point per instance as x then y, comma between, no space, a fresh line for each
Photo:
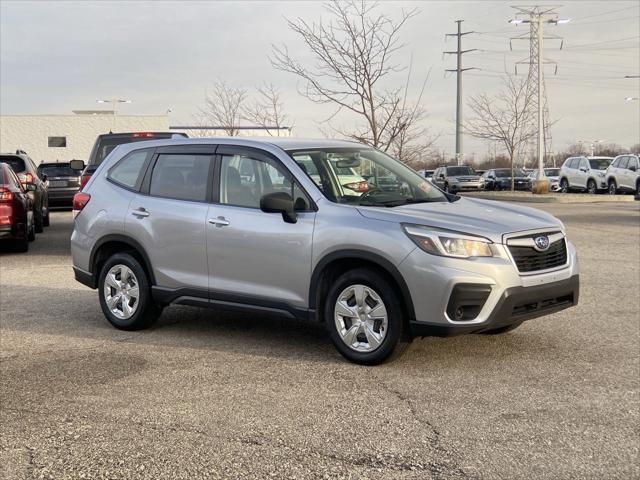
633,162
127,172
623,162
181,176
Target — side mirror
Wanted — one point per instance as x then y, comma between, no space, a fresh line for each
279,202
76,164
633,168
441,175
583,170
43,177
30,187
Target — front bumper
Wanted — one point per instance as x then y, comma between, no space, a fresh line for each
467,186
512,296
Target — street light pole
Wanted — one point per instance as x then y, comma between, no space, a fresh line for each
114,102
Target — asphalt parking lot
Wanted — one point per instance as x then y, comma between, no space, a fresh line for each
213,395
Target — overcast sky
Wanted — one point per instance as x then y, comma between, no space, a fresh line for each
59,56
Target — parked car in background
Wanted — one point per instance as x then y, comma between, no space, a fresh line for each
16,210
623,175
457,178
584,174
170,222
105,143
63,182
426,173
552,174
500,179
347,177
27,173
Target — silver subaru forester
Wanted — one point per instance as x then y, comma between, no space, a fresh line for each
267,226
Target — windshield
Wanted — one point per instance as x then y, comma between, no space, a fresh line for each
57,171
458,171
518,172
552,172
600,163
389,183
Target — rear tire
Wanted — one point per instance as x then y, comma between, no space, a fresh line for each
128,292
364,317
22,245
46,220
38,220
31,232
501,330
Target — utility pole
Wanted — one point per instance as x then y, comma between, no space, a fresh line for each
459,52
538,17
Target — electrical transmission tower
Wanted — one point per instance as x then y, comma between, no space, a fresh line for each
538,16
459,52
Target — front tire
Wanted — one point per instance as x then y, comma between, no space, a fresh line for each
592,188
125,294
613,188
564,185
364,317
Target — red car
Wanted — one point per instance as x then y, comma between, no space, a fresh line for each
16,210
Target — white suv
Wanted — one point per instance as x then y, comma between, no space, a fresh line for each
623,174
584,174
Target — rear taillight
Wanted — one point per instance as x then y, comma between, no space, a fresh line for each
84,179
80,201
26,178
5,195
6,207
143,135
357,186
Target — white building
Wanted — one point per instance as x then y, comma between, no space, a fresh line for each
67,137
47,138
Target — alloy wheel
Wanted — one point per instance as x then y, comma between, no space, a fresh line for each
121,291
361,318
591,187
612,188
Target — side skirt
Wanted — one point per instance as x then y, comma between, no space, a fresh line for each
230,302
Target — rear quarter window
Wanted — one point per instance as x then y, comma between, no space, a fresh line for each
17,164
127,172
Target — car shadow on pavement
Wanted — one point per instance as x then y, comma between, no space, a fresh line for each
76,313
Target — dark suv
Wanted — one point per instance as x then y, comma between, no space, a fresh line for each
108,141
27,173
63,182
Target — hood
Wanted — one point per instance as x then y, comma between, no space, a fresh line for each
487,218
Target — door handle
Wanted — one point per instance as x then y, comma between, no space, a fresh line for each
140,212
219,222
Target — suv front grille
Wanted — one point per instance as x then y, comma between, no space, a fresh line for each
529,259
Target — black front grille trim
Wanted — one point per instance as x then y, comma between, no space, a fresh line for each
528,259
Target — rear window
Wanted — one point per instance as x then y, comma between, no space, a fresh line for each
16,163
57,171
599,163
105,145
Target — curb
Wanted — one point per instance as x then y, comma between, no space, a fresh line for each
527,197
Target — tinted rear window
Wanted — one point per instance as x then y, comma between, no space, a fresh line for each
57,171
107,144
16,163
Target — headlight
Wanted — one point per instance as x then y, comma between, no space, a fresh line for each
447,243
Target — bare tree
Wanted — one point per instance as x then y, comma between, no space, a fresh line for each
268,111
505,118
223,107
353,55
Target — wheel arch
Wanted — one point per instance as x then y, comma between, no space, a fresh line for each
335,263
115,243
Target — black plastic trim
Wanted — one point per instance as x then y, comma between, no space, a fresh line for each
382,262
123,239
567,292
86,278
227,301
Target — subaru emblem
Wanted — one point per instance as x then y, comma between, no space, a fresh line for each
541,243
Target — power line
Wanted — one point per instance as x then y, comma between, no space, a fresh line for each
459,52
